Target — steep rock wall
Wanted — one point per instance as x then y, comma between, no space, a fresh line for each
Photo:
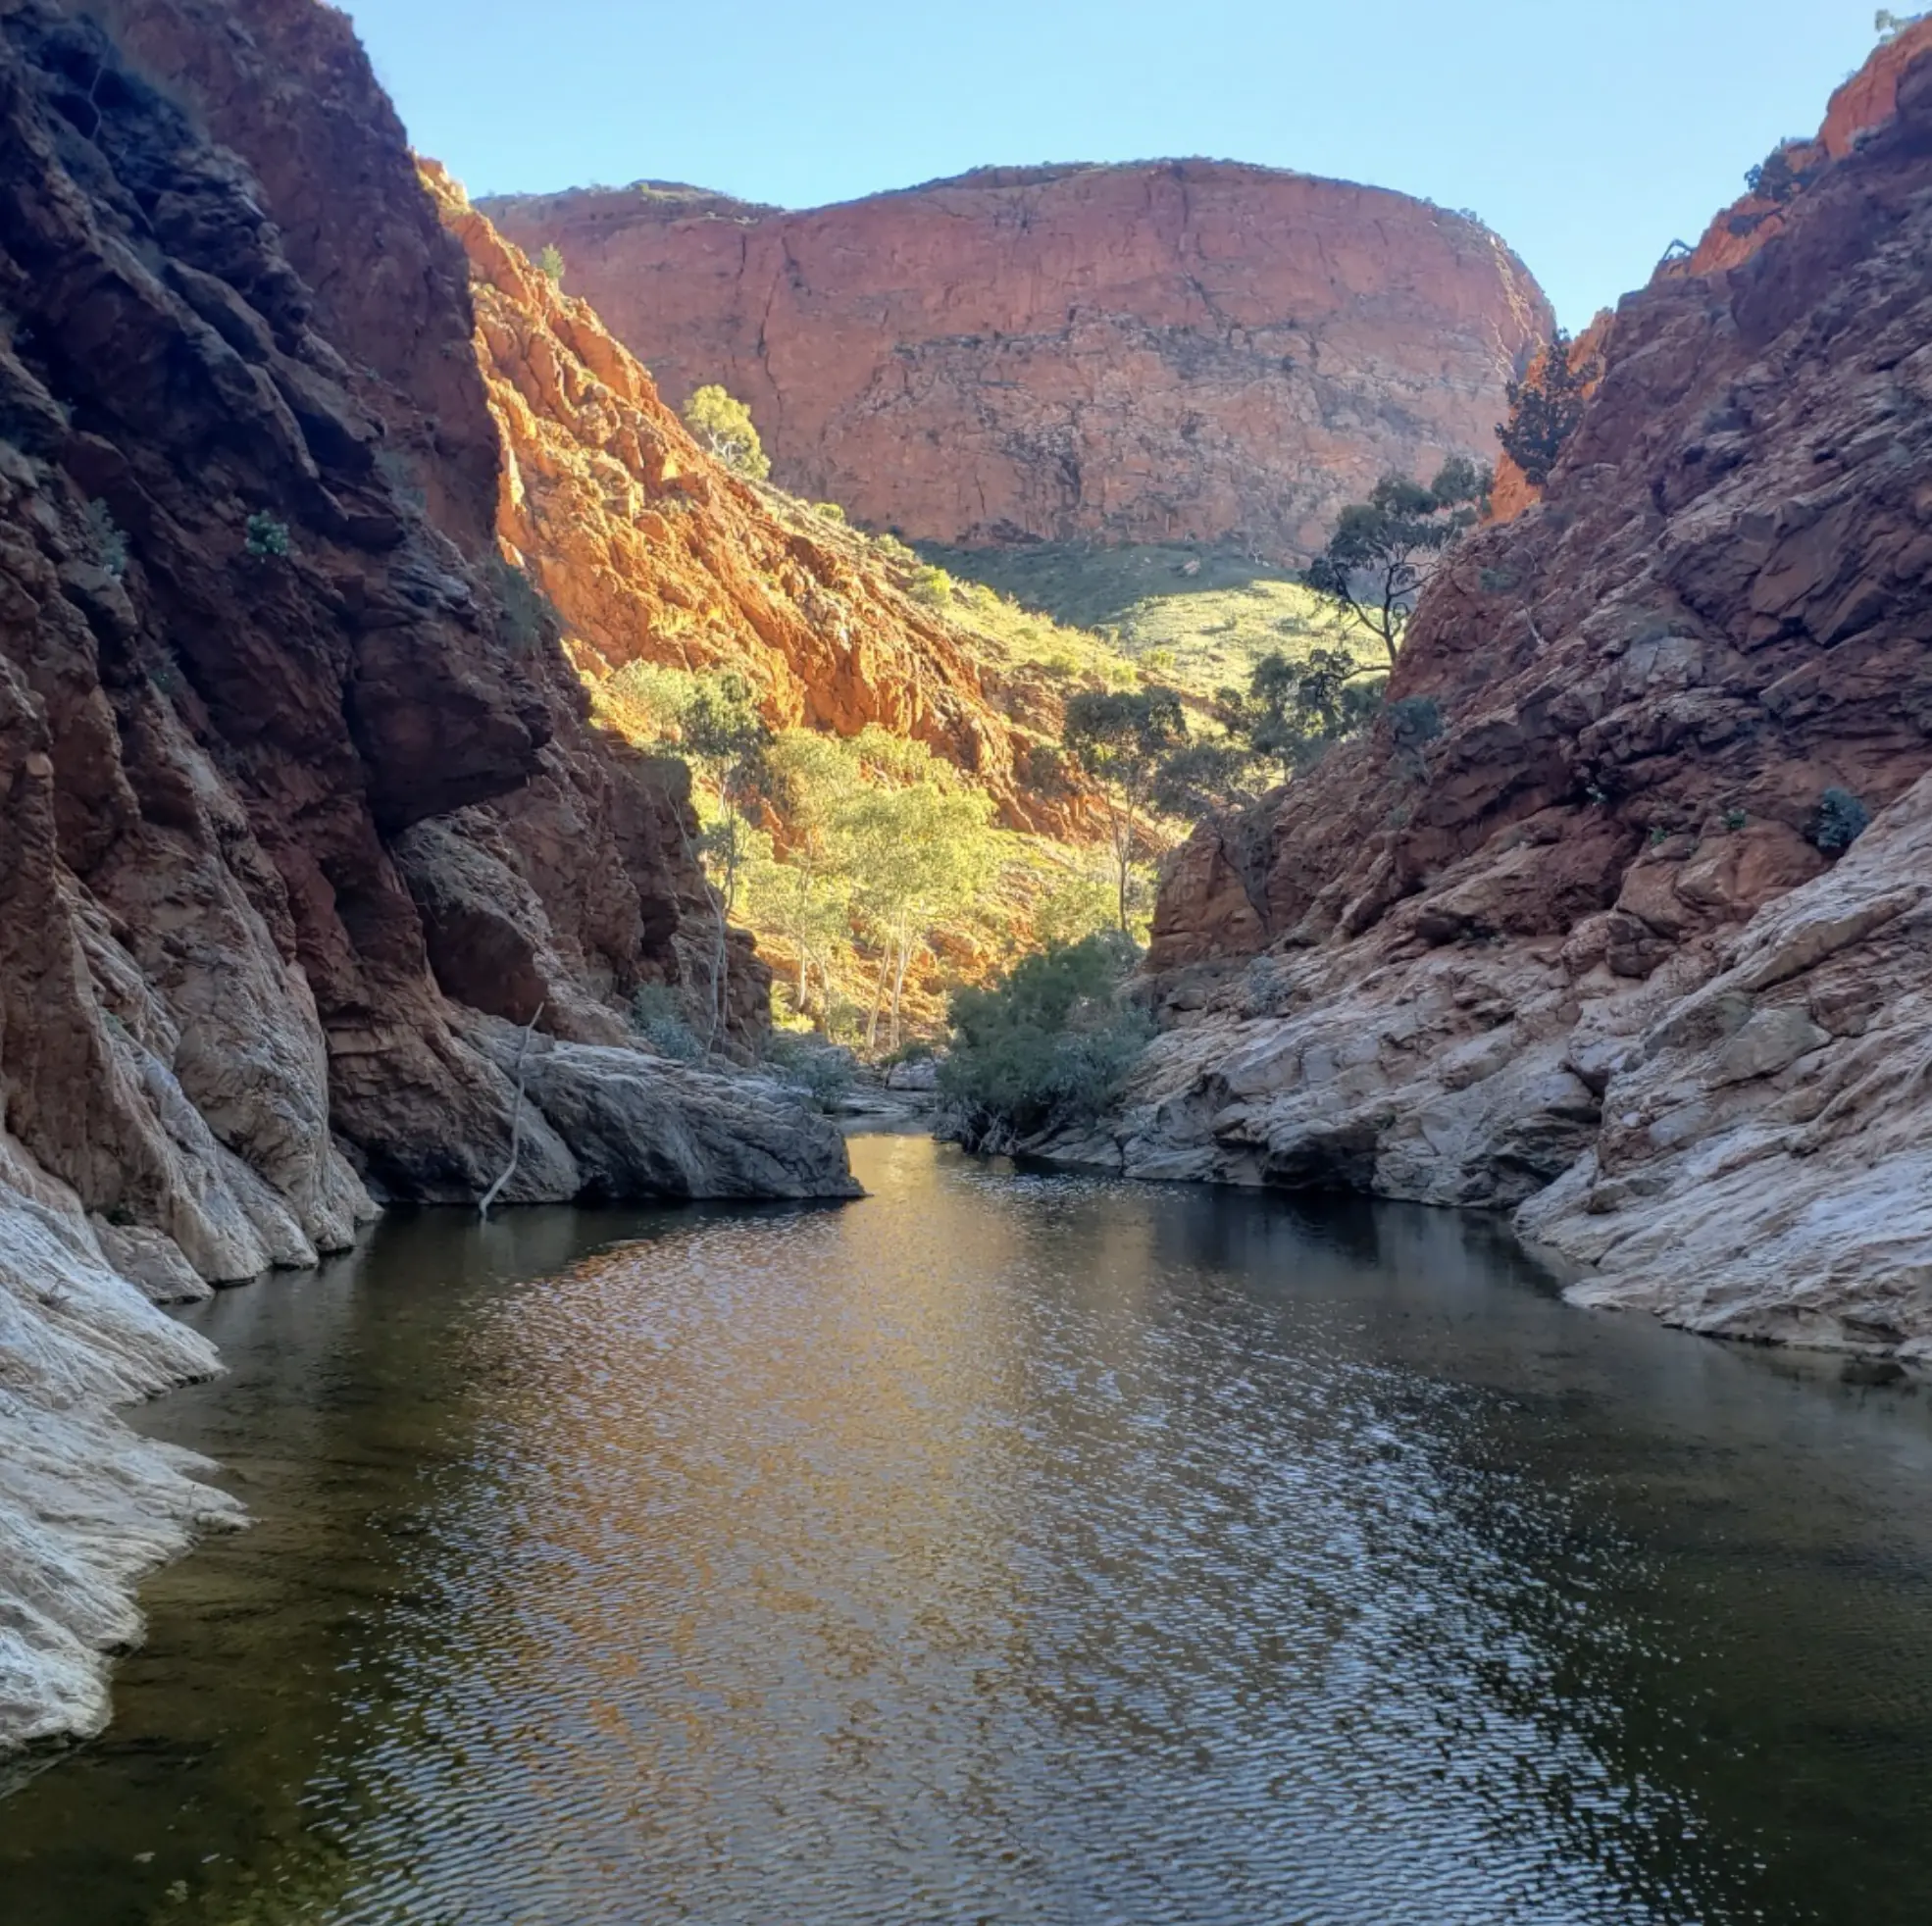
296,817
1174,350
1586,936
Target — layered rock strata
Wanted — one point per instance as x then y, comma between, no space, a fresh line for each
1574,931
296,800
1167,351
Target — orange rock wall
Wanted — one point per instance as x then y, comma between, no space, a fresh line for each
1174,350
652,551
1649,679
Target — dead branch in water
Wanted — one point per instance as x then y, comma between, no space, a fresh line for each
515,1118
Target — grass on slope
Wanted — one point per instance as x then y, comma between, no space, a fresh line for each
1198,617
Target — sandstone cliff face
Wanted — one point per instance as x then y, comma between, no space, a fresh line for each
1586,936
1177,350
652,551
295,813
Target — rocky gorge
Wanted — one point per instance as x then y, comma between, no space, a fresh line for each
1603,939
321,888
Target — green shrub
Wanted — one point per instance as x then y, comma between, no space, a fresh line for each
830,510
1046,1049
1841,820
723,423
551,261
820,1072
267,538
657,1015
932,586
1414,721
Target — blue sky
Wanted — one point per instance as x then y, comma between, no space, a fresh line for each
1589,136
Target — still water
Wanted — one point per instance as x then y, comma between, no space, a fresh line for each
1009,1548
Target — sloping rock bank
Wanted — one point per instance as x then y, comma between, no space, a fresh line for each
1164,351
1577,931
297,797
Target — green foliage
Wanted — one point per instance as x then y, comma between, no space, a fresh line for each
1046,1049
1888,25
723,425
1122,738
1735,820
831,510
1545,411
1774,178
1414,721
648,700
267,540
820,1072
1205,775
551,261
932,587
723,735
658,1014
1073,907
1293,710
921,853
1384,550
109,544
1839,821
1089,613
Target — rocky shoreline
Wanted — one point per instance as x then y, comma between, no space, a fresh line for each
1737,1144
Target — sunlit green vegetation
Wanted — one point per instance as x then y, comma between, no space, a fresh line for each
1199,617
1045,1047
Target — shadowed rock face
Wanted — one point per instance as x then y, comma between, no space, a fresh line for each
1174,350
1587,935
292,810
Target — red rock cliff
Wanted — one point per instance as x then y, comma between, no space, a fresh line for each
1184,349
1589,923
296,806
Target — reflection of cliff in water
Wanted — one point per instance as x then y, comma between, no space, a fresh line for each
1013,1546
350,1398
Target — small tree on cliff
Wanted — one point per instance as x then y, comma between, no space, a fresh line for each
1545,410
1123,740
1889,26
551,261
724,737
723,425
1384,550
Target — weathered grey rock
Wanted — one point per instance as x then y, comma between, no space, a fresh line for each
1775,1182
640,1126
1742,1143
85,1506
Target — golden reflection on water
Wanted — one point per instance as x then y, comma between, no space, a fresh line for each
1009,1548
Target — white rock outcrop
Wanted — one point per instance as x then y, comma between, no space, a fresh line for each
1741,1144
86,1507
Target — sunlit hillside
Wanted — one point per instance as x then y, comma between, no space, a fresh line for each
703,608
